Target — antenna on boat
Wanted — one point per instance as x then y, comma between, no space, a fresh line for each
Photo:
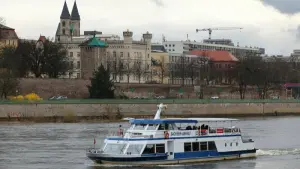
160,107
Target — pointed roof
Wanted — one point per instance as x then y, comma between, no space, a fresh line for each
75,13
97,43
65,14
94,42
57,30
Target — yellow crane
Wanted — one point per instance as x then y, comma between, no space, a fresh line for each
211,29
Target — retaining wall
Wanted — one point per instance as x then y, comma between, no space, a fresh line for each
139,110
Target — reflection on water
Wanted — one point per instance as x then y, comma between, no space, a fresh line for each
62,146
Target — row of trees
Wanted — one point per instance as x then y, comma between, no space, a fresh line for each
253,71
48,58
30,58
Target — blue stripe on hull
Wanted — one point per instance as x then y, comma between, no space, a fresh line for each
136,139
205,154
177,156
130,159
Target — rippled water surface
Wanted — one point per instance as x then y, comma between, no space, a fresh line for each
62,146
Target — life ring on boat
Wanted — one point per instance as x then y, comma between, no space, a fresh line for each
166,134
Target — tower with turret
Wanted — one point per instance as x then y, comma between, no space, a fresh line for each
147,37
69,25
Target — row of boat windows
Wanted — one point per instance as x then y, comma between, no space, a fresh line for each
199,146
154,148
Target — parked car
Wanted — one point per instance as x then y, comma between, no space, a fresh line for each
58,98
215,97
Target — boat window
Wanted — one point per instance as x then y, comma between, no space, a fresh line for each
203,146
131,127
160,148
225,144
195,146
187,147
140,127
237,143
163,127
212,145
114,148
230,144
134,148
149,149
152,127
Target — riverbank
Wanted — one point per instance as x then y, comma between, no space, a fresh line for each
93,112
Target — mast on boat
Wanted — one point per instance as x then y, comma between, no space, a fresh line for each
161,107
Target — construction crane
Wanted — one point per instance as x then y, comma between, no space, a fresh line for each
211,29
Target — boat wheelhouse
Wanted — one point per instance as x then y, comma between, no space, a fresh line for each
174,141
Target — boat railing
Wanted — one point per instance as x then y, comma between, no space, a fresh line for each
94,150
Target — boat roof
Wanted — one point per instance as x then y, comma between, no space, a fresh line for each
178,120
208,119
160,121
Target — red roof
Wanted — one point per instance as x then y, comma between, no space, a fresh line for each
214,55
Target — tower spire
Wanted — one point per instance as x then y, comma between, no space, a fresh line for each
75,13
65,14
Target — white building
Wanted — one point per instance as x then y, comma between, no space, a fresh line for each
180,47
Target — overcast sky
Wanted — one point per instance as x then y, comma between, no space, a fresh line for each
272,24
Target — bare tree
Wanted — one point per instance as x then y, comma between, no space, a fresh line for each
163,69
128,68
138,68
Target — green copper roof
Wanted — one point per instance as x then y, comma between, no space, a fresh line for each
97,43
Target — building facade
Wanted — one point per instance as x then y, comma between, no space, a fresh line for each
180,47
159,64
127,53
8,37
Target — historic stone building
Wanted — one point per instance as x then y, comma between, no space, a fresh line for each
128,59
8,36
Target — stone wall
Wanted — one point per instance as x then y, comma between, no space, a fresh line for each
77,88
138,110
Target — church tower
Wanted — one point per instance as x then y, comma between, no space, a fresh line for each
69,25
75,21
63,29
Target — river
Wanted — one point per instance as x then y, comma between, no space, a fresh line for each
62,146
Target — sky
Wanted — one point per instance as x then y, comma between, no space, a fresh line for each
271,24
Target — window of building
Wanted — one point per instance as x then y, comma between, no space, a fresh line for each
78,65
63,24
169,45
212,145
78,54
187,147
121,54
160,148
78,75
71,54
173,49
71,65
173,45
63,31
169,49
114,54
203,146
128,54
70,74
166,45
195,146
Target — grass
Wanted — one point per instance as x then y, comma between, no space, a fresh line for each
149,101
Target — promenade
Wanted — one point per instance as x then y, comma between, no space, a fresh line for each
88,109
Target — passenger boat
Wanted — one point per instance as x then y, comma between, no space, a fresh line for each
174,141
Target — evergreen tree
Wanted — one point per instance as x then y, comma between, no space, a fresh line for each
101,86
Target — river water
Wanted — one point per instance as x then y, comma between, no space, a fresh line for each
62,146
